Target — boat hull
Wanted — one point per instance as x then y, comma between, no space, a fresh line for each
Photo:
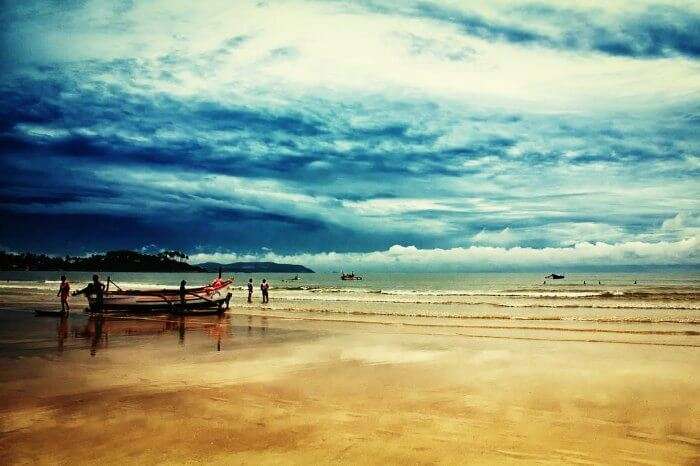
215,299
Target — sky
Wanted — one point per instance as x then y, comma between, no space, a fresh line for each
407,135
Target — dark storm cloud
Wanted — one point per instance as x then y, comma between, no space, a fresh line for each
657,31
97,125
653,32
474,24
225,144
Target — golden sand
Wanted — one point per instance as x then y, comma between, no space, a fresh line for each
262,390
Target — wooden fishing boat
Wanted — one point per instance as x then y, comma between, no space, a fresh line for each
213,298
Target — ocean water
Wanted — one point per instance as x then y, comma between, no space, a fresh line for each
669,297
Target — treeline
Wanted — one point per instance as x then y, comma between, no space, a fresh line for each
112,261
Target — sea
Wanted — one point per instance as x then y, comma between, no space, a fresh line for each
624,298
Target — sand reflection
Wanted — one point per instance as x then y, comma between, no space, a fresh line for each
261,390
99,330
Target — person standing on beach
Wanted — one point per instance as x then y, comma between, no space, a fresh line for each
264,286
250,290
183,292
63,292
96,288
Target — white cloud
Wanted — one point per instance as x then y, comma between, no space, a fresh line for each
504,237
476,258
344,52
560,233
388,206
684,224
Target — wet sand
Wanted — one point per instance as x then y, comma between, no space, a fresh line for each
259,389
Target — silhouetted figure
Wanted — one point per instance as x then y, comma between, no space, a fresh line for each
584,282
96,289
183,292
599,282
250,290
264,286
635,282
64,292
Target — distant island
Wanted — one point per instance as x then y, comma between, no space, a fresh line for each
132,261
255,267
112,261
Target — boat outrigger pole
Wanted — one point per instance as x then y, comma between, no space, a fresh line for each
109,280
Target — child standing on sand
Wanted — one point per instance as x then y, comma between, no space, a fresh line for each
63,292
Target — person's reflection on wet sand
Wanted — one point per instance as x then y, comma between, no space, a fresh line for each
263,325
62,332
250,325
97,321
181,331
221,323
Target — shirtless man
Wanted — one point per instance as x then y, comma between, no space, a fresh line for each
97,288
64,292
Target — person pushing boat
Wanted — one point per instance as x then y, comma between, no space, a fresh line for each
96,288
183,291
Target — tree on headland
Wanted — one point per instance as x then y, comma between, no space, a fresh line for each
173,255
114,261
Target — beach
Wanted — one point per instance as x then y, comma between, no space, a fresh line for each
438,369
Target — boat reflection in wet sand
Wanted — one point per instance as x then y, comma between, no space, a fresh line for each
210,299
100,328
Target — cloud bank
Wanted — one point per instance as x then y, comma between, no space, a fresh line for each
480,258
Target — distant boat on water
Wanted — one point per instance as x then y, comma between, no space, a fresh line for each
554,276
349,276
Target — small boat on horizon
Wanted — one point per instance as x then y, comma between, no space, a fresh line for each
349,276
209,299
554,276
